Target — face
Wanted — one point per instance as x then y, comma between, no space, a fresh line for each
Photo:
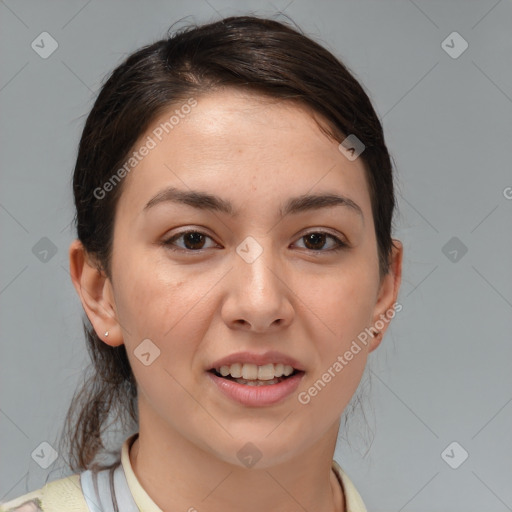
259,270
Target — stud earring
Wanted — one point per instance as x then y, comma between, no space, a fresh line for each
106,333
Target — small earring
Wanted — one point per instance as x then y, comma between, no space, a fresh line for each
106,333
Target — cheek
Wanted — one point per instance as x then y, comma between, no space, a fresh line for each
167,307
346,303
150,295
159,308
342,356
345,306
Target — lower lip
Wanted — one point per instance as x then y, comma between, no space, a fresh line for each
257,396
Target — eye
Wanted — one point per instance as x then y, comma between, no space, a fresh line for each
193,241
315,240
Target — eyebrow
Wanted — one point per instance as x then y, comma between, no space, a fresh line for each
294,205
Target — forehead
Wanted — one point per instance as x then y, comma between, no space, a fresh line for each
240,146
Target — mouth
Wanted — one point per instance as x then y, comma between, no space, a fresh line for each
256,386
256,379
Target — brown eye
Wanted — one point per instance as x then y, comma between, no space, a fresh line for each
315,241
192,240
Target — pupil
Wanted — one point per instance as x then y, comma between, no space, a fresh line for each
316,238
194,238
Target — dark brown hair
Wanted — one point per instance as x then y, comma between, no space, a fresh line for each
250,53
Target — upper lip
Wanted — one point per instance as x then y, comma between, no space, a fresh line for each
258,359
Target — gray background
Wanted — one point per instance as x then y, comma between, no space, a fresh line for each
442,373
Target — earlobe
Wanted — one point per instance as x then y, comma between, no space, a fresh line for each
388,294
376,339
96,294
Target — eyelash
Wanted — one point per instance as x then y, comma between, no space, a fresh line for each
169,243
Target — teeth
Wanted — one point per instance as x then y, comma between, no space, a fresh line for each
235,370
249,371
279,370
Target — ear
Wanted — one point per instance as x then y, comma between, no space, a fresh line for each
387,297
95,291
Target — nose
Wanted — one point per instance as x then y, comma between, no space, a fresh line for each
257,295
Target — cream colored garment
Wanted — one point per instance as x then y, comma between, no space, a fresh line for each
65,495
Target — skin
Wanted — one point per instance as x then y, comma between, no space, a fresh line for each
301,299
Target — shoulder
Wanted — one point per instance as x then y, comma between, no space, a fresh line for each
63,495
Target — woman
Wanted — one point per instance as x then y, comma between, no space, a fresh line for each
234,199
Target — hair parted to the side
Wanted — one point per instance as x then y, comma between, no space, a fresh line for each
254,54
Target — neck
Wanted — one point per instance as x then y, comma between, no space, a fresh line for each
178,475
